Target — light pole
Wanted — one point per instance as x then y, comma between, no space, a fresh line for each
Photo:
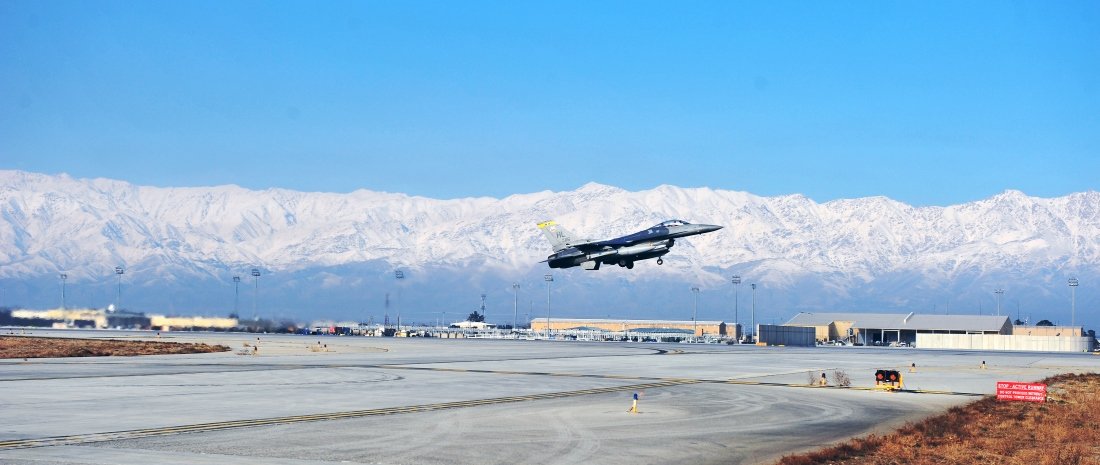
1073,301
753,285
255,293
736,287
399,276
483,319
236,296
515,305
694,311
999,292
549,279
63,277
118,295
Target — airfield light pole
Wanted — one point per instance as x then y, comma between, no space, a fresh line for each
549,278
399,276
1000,293
694,312
736,287
236,296
63,277
255,292
1073,301
118,295
515,305
753,285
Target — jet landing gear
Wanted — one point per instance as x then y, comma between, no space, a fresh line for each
660,261
626,264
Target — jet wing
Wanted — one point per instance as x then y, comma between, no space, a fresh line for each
588,247
596,246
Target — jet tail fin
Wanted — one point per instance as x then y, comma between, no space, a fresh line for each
559,238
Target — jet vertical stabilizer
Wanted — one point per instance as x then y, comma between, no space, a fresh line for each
559,238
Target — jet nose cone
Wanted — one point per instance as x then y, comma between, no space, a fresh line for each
706,228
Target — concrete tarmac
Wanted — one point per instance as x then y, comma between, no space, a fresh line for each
436,401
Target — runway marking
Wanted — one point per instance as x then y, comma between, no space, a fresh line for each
855,388
741,381
235,424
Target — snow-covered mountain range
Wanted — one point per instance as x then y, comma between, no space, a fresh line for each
334,255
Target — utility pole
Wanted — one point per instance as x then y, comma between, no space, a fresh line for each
236,296
118,297
1073,301
1000,293
694,311
399,276
753,312
549,278
515,305
63,277
736,287
255,293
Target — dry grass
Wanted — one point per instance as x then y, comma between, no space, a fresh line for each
1063,431
42,347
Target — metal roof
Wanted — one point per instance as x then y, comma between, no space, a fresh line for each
911,321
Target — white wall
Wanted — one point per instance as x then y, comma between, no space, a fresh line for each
1004,342
776,335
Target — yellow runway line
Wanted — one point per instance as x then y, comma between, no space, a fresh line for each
234,424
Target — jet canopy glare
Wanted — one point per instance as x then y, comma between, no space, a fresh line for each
672,223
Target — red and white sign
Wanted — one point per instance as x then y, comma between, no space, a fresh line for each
1027,392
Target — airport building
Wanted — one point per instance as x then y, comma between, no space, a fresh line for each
472,325
101,318
169,323
1071,331
895,328
974,332
660,328
86,318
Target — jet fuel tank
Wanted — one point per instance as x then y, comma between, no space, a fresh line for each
640,249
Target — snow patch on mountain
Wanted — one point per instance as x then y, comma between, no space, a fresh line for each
871,251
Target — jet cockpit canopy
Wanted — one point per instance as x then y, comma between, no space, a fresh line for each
668,223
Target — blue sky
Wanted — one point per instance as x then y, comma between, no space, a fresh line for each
931,103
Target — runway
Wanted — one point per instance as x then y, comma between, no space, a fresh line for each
396,401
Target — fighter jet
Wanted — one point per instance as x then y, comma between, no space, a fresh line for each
623,251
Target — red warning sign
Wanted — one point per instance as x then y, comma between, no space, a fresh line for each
1027,392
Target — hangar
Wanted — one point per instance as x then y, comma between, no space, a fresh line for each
895,328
